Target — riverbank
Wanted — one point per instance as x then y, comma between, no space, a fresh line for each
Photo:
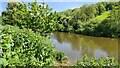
88,35
63,63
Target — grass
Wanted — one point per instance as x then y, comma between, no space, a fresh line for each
102,16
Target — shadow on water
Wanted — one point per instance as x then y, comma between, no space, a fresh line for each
75,46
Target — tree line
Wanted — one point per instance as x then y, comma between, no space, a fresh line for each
100,19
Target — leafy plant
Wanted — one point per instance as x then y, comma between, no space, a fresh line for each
22,47
60,56
102,62
38,17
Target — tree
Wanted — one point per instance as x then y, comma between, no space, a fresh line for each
101,8
39,18
83,17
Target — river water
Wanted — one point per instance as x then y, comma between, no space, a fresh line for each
75,46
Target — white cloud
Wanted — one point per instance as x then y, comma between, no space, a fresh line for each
0,14
74,7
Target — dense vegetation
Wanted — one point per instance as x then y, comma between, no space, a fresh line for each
39,18
99,19
0,19
24,47
24,36
101,63
24,33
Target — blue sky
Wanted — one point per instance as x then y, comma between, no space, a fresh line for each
57,6
60,6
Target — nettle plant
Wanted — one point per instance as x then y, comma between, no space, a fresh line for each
22,47
102,62
38,17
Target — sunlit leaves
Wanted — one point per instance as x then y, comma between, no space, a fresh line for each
99,19
22,47
38,17
102,62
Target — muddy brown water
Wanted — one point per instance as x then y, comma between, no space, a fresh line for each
75,46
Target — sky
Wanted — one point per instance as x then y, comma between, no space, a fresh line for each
56,5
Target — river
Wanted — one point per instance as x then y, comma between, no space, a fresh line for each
75,46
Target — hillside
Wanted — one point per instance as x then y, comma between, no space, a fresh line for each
98,19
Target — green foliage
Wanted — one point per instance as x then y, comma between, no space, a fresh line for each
0,20
37,17
87,12
102,62
22,43
60,56
22,47
99,19
102,16
101,8
109,26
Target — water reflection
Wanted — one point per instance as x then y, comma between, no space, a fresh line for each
75,46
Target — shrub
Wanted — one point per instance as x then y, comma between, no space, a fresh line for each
60,56
102,62
23,47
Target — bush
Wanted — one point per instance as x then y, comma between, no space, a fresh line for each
102,62
23,47
60,56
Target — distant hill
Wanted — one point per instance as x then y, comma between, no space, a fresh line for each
87,12
98,19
